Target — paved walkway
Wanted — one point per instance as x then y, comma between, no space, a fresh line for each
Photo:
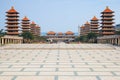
59,62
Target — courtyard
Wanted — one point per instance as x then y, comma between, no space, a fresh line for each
59,62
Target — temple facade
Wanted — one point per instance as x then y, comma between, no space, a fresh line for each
107,22
25,24
53,36
94,25
12,22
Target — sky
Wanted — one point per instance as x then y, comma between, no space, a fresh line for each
59,15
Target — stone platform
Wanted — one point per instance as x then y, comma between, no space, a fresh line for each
59,62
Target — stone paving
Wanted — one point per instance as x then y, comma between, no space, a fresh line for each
59,62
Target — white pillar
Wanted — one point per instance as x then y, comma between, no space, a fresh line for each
2,40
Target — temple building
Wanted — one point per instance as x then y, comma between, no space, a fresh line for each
12,22
25,24
12,31
53,36
94,25
107,22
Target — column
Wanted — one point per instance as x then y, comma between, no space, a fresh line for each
2,40
119,41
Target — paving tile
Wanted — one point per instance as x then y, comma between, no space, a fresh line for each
40,69
19,73
56,73
77,78
110,77
35,78
95,73
6,77
10,69
74,69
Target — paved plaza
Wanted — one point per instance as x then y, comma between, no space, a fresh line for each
59,62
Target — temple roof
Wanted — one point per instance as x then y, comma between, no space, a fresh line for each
69,33
94,18
51,33
25,19
107,9
12,10
60,33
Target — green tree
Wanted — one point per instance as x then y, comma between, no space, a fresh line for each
27,37
92,37
2,33
117,32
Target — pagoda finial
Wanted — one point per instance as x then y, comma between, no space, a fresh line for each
107,7
12,7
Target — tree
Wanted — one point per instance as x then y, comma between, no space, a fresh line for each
117,32
92,37
2,33
39,39
27,37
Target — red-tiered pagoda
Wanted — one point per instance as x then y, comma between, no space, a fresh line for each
33,29
82,30
107,22
25,24
12,22
38,30
87,28
94,25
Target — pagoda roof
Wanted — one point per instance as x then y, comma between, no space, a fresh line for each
82,26
94,18
25,19
37,26
12,10
87,23
107,9
32,22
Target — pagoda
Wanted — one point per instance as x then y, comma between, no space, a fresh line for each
25,24
94,25
87,28
38,30
82,30
107,22
12,22
33,28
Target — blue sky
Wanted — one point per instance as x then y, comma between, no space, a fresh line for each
59,15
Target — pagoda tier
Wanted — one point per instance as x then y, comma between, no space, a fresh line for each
12,22
25,24
94,25
107,22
